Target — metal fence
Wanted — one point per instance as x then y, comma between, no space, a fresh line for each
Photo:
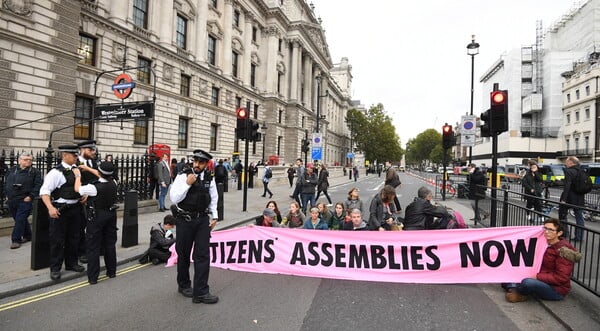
132,171
511,211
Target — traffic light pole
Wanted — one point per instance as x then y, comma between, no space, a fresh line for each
494,192
305,152
245,172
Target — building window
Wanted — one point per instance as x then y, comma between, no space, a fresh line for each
253,75
576,116
234,64
140,13
213,136
238,102
214,3
184,85
280,45
568,118
214,96
212,48
568,97
587,90
587,113
567,143
83,115
254,33
576,94
86,50
140,132
279,140
182,133
586,141
143,72
180,39
280,116
236,18
256,111
279,82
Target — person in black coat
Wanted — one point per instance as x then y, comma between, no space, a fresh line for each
421,214
532,186
571,197
477,187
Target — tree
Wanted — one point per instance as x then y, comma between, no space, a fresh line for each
374,134
427,146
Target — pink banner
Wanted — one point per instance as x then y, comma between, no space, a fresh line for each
506,254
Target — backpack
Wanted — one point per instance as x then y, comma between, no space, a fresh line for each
583,183
269,173
457,221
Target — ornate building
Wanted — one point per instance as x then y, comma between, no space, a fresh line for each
197,60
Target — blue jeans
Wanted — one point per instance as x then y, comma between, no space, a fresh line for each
20,210
162,196
530,286
306,197
579,220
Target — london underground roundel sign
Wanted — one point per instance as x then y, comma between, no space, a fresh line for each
123,86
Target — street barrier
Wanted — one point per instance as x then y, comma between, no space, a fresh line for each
130,220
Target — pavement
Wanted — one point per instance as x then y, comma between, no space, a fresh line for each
579,311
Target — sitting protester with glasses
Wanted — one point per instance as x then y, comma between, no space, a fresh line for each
553,281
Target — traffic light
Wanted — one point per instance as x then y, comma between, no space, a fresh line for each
499,111
242,122
305,145
447,136
485,127
254,134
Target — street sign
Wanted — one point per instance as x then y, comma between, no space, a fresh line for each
467,140
468,125
123,86
317,153
317,140
350,155
128,110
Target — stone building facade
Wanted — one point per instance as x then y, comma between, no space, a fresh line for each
198,60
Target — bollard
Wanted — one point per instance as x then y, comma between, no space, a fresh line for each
130,220
40,237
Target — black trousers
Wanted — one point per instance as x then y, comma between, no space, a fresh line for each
156,253
266,189
102,235
220,190
194,233
64,237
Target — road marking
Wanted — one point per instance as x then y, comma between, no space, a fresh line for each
72,287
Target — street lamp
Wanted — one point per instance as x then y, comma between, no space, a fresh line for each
319,96
472,50
264,140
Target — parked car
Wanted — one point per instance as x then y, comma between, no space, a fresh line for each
429,169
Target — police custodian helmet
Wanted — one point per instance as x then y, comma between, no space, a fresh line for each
201,155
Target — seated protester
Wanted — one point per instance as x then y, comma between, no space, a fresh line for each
421,214
268,219
314,221
273,205
161,238
295,217
336,221
553,282
353,201
324,212
382,210
356,222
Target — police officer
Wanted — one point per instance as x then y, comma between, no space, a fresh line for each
101,220
64,212
86,161
195,196
22,184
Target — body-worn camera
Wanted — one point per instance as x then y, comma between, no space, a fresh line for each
17,186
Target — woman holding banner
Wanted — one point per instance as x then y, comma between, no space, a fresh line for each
553,282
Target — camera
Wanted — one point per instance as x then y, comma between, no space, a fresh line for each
17,186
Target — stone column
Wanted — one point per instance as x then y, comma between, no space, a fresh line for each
118,12
308,76
247,58
166,23
201,50
294,71
271,63
227,33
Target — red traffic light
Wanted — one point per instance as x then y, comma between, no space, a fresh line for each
446,129
498,97
242,113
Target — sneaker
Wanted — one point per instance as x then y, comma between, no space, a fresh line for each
186,292
155,261
514,296
15,245
207,298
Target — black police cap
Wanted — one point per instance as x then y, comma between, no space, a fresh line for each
87,144
202,155
106,168
68,148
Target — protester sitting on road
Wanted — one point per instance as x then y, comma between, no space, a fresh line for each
324,212
421,214
353,201
295,217
356,222
273,205
553,282
161,238
382,209
314,221
336,221
268,219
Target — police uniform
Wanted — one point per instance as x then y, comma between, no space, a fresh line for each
58,192
86,178
101,220
195,205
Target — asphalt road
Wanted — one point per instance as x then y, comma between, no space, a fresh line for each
145,297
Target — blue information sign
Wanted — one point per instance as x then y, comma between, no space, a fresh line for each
350,155
317,153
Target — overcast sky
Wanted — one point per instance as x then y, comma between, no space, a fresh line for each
411,56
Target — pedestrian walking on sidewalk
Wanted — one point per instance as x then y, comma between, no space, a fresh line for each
532,186
22,184
266,178
164,180
101,229
323,184
195,196
297,189
290,174
64,212
476,190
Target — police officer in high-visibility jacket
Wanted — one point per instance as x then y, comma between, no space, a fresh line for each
195,197
101,220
